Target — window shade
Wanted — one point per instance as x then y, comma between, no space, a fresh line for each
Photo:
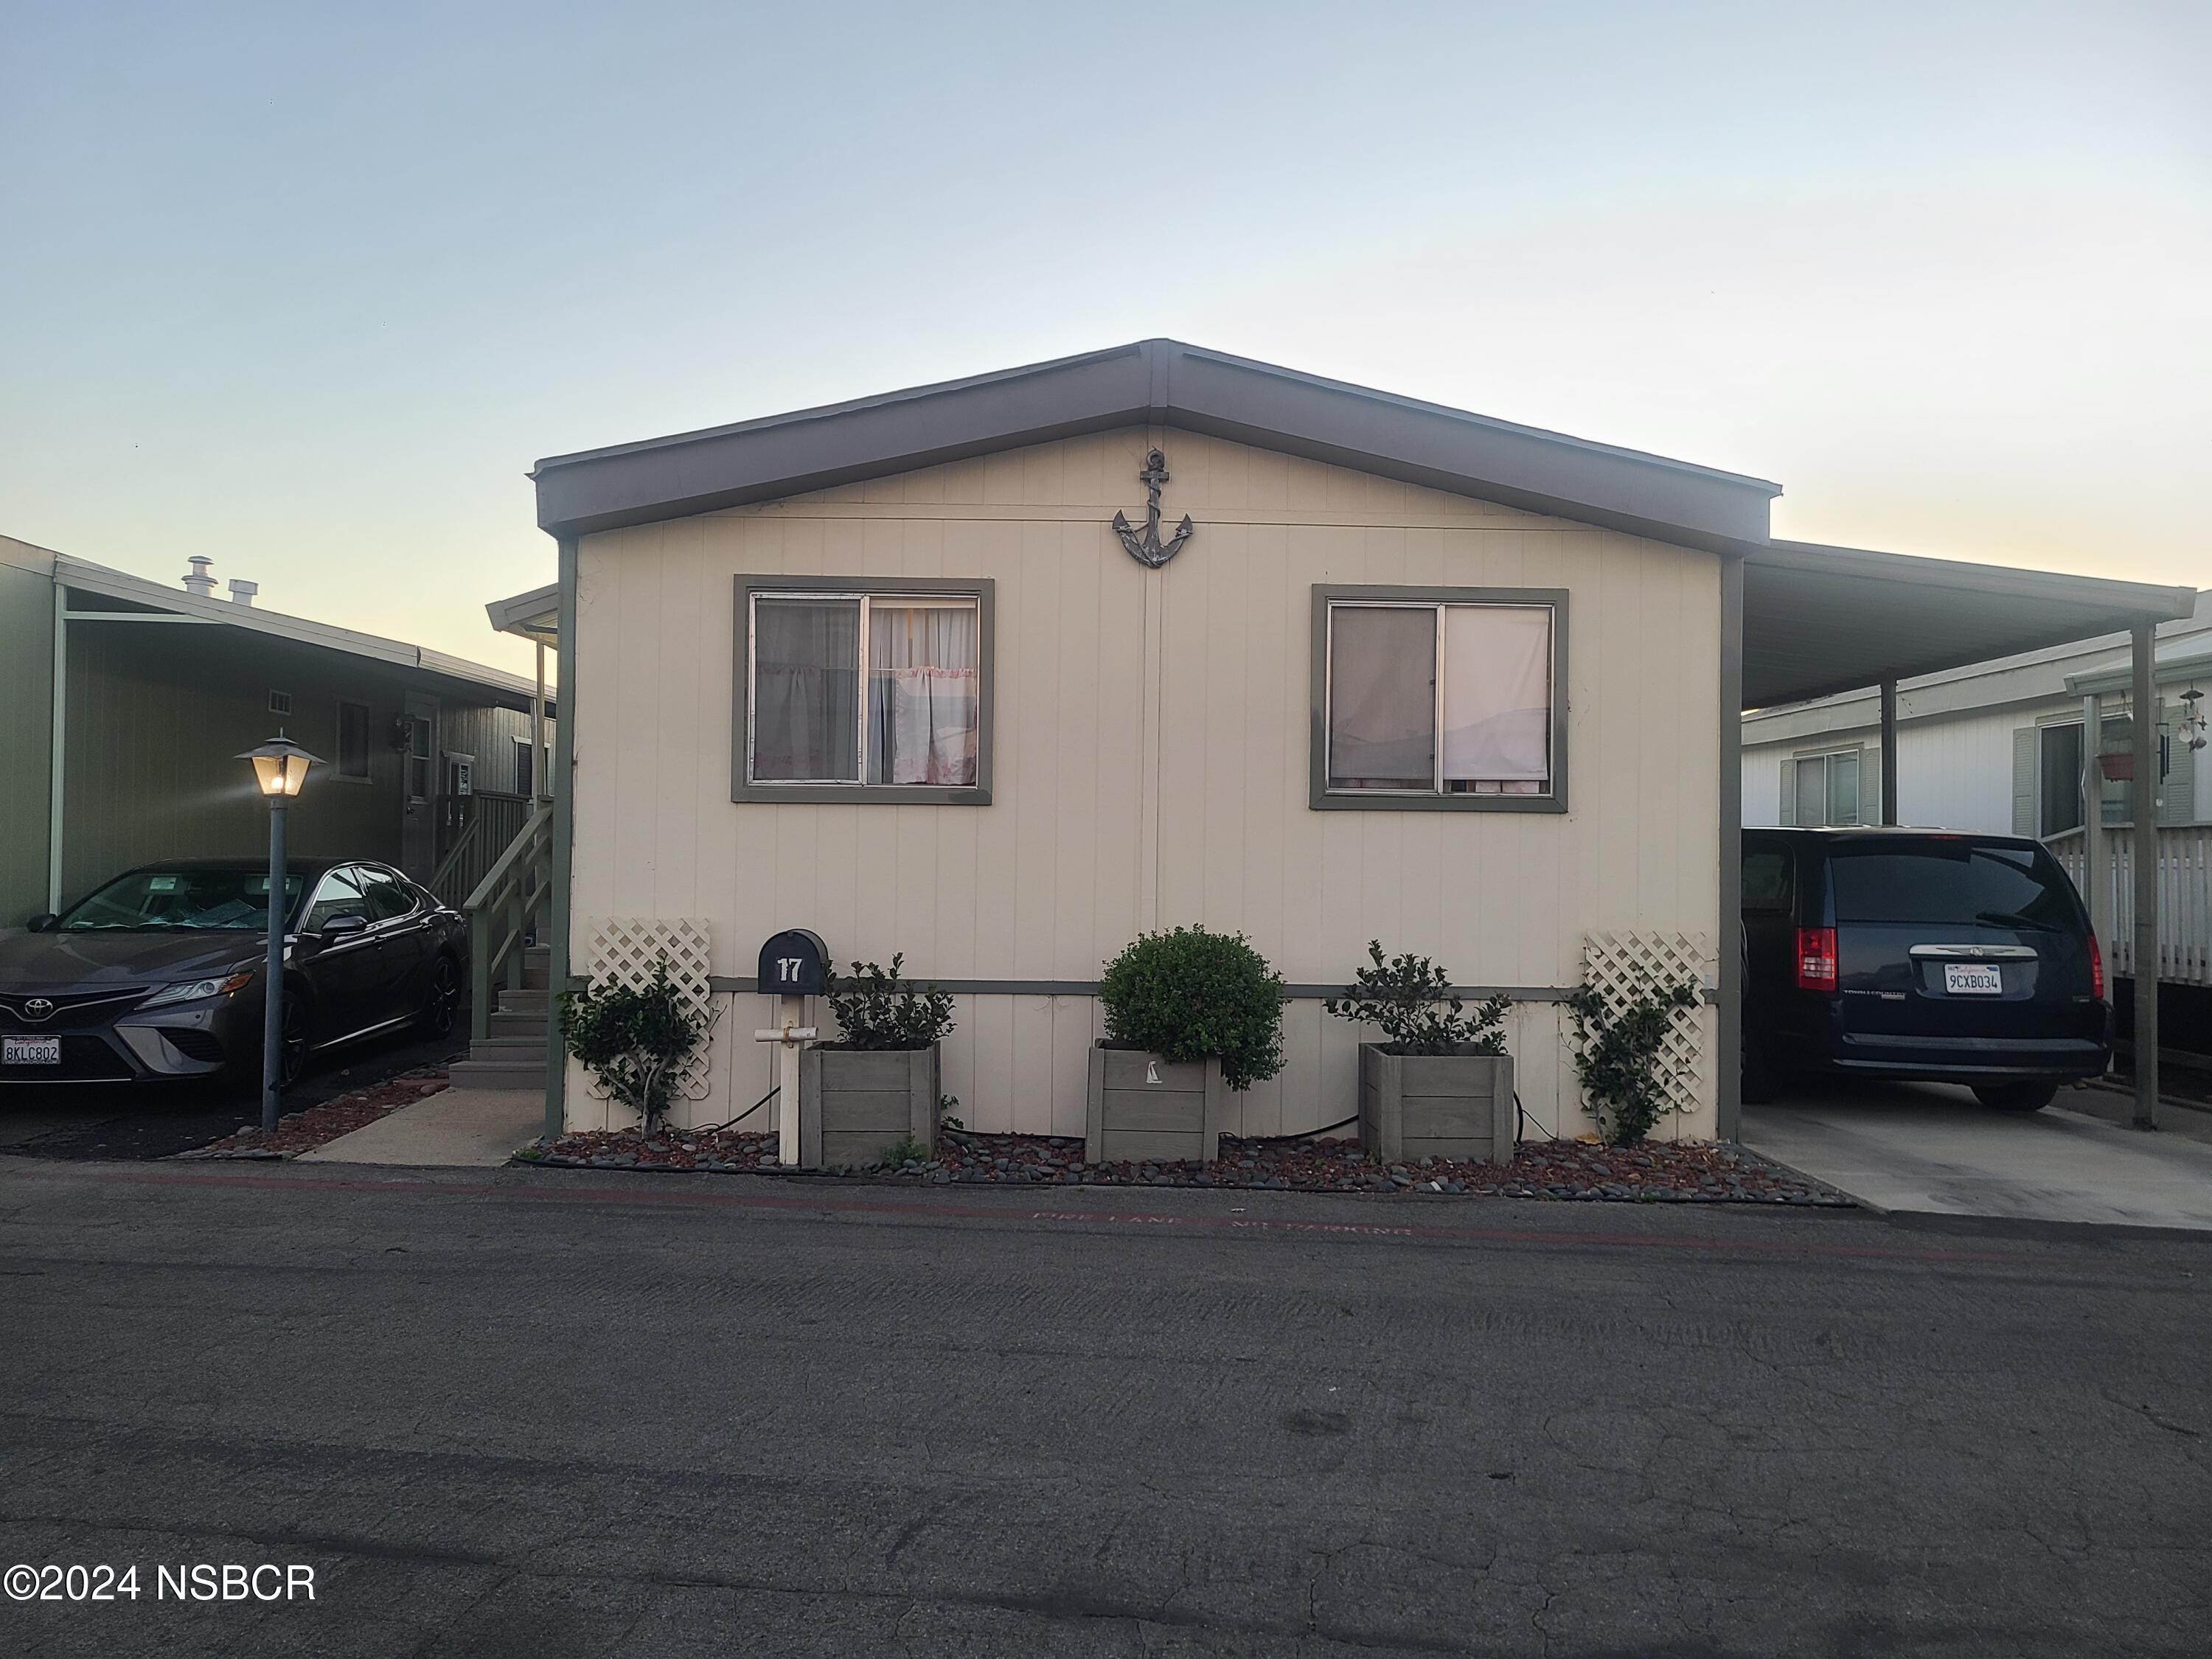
1383,700
806,675
1497,693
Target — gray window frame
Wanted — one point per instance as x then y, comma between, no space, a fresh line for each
981,589
1321,799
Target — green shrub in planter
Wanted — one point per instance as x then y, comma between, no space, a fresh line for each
1189,995
1408,999
876,1009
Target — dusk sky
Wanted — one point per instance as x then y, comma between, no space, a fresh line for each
308,288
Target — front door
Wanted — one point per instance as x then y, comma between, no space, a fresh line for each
418,834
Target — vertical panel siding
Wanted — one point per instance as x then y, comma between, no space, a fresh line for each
1151,760
27,671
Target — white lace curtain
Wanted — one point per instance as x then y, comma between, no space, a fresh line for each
924,682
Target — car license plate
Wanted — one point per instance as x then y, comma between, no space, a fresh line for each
1967,979
30,1051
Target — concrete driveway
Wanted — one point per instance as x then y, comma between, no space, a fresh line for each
1931,1148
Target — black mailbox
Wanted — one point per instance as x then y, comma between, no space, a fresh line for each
795,962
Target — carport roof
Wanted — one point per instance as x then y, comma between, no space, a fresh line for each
1817,619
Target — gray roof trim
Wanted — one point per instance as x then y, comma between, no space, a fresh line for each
1152,382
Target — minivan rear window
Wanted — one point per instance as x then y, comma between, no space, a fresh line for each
1953,884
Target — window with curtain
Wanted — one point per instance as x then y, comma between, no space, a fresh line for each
1437,698
865,689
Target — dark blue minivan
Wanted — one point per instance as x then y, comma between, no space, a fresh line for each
1919,955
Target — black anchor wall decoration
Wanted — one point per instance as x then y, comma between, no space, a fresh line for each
1148,550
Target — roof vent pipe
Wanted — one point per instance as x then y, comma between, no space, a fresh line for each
242,593
200,581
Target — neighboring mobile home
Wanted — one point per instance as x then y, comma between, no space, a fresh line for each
905,672
125,702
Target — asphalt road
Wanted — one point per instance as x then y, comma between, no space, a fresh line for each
544,1414
159,1120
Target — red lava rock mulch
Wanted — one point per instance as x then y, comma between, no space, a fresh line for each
304,1131
1660,1171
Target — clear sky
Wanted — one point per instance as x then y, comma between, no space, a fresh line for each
307,287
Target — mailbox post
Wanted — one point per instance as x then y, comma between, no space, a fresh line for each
794,965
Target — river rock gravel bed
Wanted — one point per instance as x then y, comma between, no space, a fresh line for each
1674,1172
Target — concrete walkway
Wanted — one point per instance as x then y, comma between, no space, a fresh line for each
1923,1147
455,1127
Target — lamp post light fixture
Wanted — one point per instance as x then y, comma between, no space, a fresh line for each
280,767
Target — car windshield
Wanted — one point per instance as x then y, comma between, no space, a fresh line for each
1953,884
163,900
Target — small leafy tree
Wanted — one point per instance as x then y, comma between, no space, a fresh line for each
876,1009
1621,1055
1409,999
635,1039
1189,995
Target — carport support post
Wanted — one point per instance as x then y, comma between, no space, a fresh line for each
1728,1012
2144,795
272,973
1889,752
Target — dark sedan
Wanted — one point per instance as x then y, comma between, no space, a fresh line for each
158,975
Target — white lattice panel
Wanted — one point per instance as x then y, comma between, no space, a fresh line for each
1620,965
623,950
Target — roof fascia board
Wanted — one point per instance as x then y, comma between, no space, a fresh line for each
1164,383
2165,670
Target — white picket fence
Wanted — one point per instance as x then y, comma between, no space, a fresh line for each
2184,898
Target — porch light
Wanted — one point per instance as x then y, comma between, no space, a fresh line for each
280,766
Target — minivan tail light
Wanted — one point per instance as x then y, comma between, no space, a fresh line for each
2096,969
1816,960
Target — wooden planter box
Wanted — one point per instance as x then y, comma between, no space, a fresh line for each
1146,1109
1418,1106
853,1103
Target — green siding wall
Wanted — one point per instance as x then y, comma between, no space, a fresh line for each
27,677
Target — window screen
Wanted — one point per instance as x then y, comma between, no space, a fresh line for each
1440,698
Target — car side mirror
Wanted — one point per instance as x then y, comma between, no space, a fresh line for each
342,927
43,923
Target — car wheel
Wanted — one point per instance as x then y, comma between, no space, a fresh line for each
2017,1096
441,1003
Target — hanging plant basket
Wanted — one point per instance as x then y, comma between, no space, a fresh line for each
2117,768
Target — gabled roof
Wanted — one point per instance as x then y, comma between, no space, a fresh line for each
1160,382
1816,619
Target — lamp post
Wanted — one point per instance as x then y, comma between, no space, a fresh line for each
280,766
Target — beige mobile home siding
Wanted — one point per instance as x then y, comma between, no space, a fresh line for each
1151,759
